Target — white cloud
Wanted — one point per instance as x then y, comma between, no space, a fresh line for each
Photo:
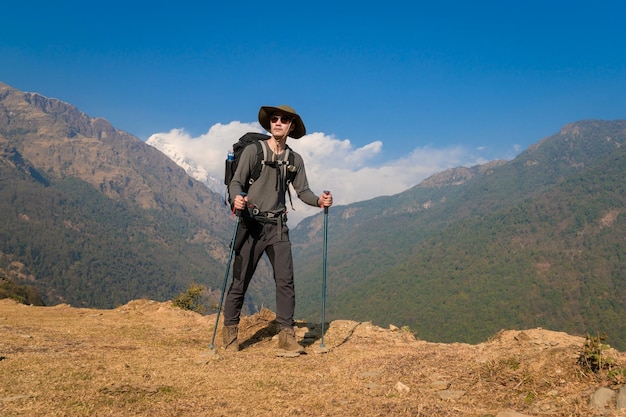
347,171
208,150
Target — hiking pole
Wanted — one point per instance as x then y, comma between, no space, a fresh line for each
230,258
324,270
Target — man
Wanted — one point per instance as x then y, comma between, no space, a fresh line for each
263,227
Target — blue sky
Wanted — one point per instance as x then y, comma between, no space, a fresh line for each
488,78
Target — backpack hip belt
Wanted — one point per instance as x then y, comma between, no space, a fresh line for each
268,217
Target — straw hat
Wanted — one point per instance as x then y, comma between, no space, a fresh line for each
266,112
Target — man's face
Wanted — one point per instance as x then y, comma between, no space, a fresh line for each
281,125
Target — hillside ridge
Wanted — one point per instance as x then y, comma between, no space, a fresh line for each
96,216
148,357
535,241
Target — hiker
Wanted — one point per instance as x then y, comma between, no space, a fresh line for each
263,227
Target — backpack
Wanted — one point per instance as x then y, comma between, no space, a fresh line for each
256,139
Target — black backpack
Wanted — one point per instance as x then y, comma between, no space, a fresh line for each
250,138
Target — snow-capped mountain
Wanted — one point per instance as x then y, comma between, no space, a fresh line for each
191,167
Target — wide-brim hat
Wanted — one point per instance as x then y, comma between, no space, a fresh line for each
266,112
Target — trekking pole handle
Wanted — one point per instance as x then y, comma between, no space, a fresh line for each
326,207
238,212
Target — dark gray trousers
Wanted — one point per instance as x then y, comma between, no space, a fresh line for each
264,238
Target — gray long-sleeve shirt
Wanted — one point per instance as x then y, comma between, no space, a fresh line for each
267,193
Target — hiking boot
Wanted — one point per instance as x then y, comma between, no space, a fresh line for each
229,337
287,340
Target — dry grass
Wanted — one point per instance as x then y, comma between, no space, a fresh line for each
151,359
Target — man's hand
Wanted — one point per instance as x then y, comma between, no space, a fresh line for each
325,200
240,202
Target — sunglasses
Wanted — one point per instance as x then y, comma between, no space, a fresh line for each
283,119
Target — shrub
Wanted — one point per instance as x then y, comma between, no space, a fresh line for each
191,299
592,357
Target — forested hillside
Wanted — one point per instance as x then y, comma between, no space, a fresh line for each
537,241
95,217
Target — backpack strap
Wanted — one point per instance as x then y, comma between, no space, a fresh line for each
287,175
261,156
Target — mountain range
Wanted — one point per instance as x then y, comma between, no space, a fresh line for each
93,216
535,241
96,217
